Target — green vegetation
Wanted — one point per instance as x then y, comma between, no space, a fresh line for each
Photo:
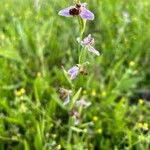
35,42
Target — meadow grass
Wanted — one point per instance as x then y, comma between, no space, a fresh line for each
35,42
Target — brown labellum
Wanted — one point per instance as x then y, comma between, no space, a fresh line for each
83,71
76,10
63,93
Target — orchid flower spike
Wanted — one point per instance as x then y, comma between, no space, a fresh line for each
77,10
88,42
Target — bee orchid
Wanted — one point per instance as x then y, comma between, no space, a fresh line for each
88,42
77,10
75,114
65,94
83,103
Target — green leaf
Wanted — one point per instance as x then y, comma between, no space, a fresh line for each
10,54
38,141
26,145
68,79
127,83
75,98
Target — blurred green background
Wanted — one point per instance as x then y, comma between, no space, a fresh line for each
35,42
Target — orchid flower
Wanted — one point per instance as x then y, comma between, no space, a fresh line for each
88,42
76,115
77,10
83,103
65,95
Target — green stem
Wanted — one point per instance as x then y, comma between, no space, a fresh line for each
80,56
69,133
82,24
82,27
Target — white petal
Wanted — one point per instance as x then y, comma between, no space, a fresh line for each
67,100
86,14
65,12
93,50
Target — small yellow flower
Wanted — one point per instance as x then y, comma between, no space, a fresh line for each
99,131
103,94
94,93
95,118
131,63
84,92
22,91
145,126
17,93
58,147
39,74
141,101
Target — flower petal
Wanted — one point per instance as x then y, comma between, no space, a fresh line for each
73,69
65,12
83,103
73,72
74,75
93,50
86,14
67,100
88,40
77,121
